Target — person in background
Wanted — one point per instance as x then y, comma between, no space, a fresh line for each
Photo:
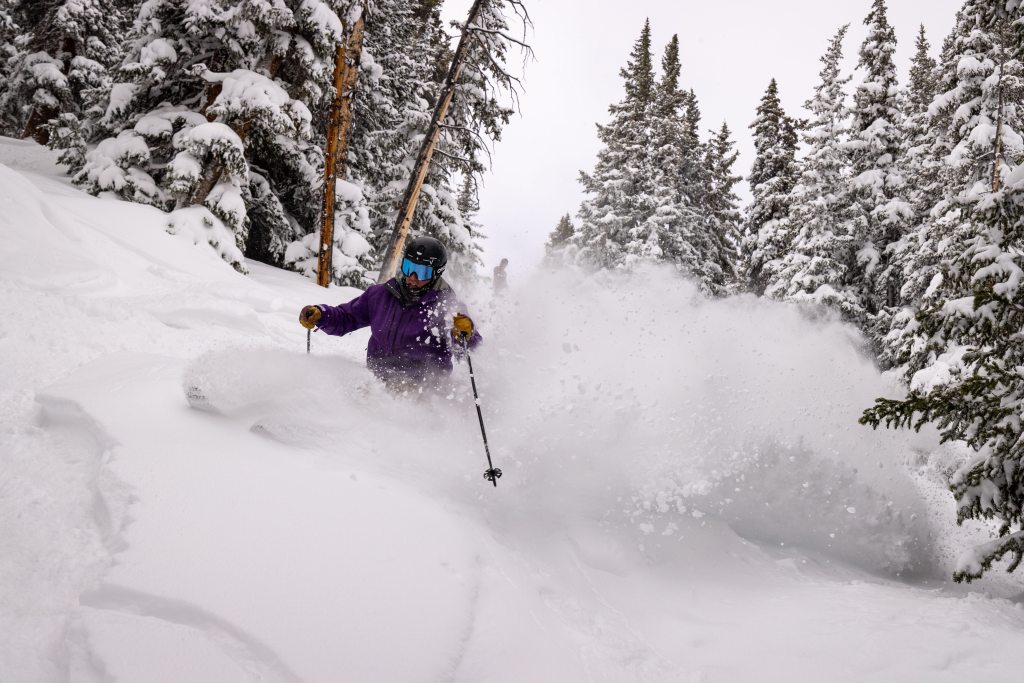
500,276
415,320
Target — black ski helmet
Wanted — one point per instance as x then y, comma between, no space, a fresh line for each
427,251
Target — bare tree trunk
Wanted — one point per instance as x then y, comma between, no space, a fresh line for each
412,190
346,77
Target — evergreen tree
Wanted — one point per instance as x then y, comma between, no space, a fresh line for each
922,84
403,47
880,212
695,245
667,232
921,162
560,236
58,65
619,189
693,179
772,177
10,30
390,95
191,64
980,58
285,177
722,215
466,269
963,369
981,400
822,257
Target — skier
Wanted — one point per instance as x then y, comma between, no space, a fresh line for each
411,340
501,277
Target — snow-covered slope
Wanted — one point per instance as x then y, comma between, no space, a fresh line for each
687,495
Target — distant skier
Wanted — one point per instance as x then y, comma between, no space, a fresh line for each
415,320
501,277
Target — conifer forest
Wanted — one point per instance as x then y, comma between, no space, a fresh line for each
896,207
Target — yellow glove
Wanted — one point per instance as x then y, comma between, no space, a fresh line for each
462,326
309,315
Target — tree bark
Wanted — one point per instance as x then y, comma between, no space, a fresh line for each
346,78
35,127
412,190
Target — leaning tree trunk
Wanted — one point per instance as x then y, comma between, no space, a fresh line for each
346,76
419,173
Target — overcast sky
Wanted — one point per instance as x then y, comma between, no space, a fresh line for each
730,50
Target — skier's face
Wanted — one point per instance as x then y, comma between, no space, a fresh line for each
414,282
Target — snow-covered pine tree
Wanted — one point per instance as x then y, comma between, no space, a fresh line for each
821,257
963,119
721,208
469,206
693,179
62,60
285,178
702,255
307,65
560,236
921,162
403,61
407,43
978,61
880,213
772,177
390,107
619,189
679,230
667,232
982,399
191,64
10,48
964,374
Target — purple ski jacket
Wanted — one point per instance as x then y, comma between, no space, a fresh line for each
408,337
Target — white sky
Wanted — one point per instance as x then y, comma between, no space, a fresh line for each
730,49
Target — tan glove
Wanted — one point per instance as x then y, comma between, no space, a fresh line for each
309,315
462,326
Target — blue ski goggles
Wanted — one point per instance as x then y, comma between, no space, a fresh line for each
421,271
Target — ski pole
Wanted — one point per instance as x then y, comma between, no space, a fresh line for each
493,473
309,335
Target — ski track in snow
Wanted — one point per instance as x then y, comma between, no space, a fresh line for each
657,515
251,657
61,513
